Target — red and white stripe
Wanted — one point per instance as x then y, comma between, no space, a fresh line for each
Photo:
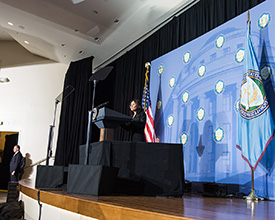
149,126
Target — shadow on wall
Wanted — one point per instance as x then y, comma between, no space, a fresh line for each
28,168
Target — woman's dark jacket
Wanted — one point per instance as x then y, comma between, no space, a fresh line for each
136,127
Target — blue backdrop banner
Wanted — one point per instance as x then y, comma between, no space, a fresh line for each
195,94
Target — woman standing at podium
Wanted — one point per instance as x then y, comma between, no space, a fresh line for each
137,125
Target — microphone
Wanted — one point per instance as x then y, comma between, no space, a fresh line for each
102,105
95,110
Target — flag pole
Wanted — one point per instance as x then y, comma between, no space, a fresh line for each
149,130
252,195
252,182
147,66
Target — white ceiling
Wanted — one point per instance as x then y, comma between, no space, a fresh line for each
69,30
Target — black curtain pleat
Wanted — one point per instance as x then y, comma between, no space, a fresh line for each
126,81
74,113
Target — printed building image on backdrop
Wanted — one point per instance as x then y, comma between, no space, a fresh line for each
195,94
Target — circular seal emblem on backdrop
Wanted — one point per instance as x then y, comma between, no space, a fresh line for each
170,120
185,97
218,134
220,41
172,82
253,100
264,20
160,69
186,57
184,138
200,114
202,70
239,56
219,87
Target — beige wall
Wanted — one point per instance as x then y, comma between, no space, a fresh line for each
27,105
12,54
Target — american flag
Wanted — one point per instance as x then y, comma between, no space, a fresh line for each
146,104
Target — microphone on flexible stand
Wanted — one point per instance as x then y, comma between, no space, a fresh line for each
102,105
95,110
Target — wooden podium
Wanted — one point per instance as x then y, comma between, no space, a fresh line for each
106,120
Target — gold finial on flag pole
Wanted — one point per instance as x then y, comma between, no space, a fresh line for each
147,65
248,16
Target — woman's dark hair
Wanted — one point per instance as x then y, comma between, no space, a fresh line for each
139,107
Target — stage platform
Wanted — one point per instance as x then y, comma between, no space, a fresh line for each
146,207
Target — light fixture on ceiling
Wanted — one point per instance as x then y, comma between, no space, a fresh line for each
77,1
3,79
97,39
116,21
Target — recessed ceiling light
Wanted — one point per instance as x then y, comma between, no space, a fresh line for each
4,80
9,23
63,45
97,38
116,21
22,27
26,42
81,52
76,30
77,1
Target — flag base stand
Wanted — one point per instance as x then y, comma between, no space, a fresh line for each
253,196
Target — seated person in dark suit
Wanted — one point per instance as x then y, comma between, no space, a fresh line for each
137,125
15,172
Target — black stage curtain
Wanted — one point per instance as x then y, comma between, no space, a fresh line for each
74,113
127,79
